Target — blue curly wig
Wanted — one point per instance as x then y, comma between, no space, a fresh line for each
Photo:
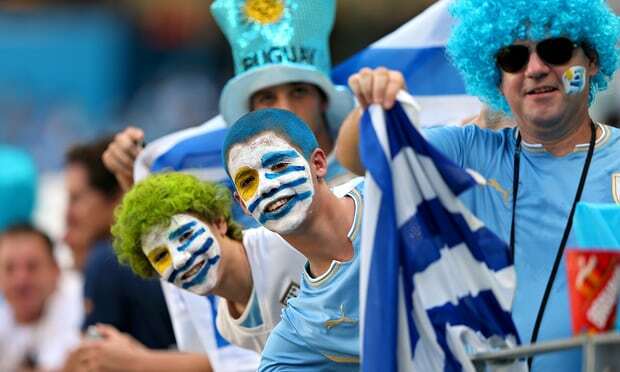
485,26
282,122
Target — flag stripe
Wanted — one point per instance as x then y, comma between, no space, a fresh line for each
431,28
432,223
406,136
415,62
379,319
418,50
480,312
201,151
453,263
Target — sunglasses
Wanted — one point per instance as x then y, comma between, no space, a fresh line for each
554,51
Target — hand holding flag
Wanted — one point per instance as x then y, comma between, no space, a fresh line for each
434,280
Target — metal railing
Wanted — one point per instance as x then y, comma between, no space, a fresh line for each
601,352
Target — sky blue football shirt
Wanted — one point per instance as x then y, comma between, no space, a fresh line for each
547,187
319,330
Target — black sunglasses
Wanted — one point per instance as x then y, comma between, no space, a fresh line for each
553,51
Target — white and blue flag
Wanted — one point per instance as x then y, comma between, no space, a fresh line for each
436,284
196,150
418,50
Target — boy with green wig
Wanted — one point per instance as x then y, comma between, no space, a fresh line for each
174,226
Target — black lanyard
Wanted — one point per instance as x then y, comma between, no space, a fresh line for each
567,229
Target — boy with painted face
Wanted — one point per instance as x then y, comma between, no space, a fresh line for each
176,227
184,253
278,171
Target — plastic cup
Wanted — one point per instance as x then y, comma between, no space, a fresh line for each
594,286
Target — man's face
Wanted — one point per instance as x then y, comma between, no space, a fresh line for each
89,212
537,95
303,99
273,180
28,275
185,253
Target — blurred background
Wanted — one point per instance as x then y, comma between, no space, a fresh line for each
71,71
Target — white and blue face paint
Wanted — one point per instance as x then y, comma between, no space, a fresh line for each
184,253
274,181
574,80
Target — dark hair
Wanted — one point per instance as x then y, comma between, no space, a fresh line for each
28,229
89,156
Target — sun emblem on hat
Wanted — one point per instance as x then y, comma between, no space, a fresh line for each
264,11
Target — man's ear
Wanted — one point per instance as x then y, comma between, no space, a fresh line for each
318,163
221,226
117,196
592,57
241,203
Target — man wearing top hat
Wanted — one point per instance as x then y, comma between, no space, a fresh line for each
281,59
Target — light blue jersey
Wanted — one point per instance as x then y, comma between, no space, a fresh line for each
319,330
546,191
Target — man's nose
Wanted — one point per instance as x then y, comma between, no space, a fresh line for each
267,184
283,102
21,276
536,67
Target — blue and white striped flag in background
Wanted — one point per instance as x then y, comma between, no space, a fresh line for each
196,150
417,49
435,283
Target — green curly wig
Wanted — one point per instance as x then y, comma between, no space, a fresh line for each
154,201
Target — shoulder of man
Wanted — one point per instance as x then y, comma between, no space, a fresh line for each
469,143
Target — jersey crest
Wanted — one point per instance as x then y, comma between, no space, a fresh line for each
291,292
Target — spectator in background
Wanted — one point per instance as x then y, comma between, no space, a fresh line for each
113,295
42,320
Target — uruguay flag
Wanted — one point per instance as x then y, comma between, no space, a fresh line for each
435,283
417,49
196,150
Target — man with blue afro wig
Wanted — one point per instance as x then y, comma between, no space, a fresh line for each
476,40
542,63
278,171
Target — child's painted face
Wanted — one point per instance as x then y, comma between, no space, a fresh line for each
185,253
273,180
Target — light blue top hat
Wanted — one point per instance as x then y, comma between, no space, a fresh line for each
276,42
18,185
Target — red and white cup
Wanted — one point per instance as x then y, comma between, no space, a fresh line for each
594,285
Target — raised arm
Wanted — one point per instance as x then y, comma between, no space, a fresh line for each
378,86
121,155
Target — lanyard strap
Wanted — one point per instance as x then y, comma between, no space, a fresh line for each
567,229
